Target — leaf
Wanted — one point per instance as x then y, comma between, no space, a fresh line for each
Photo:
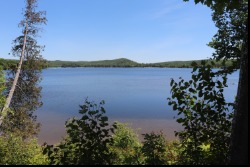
175,107
104,119
180,120
191,90
172,82
85,117
200,93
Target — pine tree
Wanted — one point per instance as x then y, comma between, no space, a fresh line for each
24,96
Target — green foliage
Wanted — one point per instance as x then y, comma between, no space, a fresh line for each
232,28
230,18
126,146
220,5
231,42
90,141
128,63
204,114
87,141
102,63
8,64
15,151
2,88
27,93
158,151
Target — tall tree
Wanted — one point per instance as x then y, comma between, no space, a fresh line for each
24,95
239,137
231,42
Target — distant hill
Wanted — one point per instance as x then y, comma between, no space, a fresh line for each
122,62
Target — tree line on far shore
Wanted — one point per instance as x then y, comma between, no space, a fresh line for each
122,62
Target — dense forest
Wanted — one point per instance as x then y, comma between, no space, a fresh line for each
122,62
212,134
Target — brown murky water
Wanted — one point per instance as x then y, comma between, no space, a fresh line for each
141,126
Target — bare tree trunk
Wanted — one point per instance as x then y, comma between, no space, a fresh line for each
239,137
13,87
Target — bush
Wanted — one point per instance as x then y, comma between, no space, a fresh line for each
15,151
87,139
205,116
126,146
158,151
90,141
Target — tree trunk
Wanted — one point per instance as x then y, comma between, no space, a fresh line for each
239,137
13,87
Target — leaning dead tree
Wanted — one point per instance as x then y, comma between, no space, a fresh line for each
30,30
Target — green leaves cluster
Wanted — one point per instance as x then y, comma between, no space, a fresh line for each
158,151
7,64
126,146
87,139
204,114
15,151
232,28
2,88
90,141
154,148
231,42
220,5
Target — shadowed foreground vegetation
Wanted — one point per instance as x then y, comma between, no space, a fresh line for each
90,140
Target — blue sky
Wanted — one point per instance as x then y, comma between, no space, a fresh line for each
145,31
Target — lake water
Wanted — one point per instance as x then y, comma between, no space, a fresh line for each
134,95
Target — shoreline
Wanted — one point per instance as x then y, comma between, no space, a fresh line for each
141,126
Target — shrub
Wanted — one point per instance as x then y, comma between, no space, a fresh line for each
126,146
205,116
15,151
158,151
87,139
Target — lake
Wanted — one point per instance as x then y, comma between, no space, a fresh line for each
134,95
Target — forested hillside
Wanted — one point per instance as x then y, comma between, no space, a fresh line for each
122,62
